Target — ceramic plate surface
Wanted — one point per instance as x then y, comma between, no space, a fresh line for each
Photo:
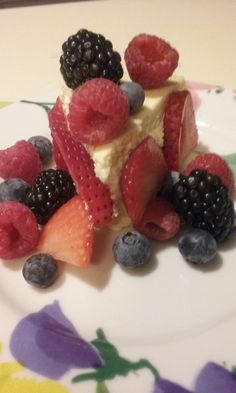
104,329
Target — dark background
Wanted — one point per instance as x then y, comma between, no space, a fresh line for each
21,3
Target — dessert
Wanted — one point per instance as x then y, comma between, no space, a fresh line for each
119,148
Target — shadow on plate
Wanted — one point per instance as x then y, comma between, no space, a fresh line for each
99,271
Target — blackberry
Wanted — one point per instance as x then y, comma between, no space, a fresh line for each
49,191
88,55
202,201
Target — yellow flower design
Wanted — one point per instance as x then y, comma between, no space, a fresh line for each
23,385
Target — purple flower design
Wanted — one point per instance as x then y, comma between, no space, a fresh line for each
46,342
213,378
165,386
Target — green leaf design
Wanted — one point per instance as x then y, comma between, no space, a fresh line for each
47,106
4,103
101,388
219,90
114,364
231,160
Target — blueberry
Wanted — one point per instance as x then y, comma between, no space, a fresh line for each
13,190
40,270
131,249
197,246
43,146
135,94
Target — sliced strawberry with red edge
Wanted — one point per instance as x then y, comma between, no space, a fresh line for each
81,168
69,234
142,177
160,221
180,131
215,165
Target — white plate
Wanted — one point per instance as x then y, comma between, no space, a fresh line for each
176,316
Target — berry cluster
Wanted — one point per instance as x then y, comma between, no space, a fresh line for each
54,213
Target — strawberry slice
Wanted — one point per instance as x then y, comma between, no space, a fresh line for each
81,168
60,163
160,221
69,234
142,177
180,131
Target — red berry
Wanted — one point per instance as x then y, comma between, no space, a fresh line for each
19,231
160,221
20,161
60,163
150,60
98,111
215,165
142,177
180,132
81,168
69,234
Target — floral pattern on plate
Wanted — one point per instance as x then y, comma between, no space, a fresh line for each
47,343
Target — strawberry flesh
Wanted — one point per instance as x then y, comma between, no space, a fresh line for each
142,177
69,234
160,221
180,131
81,168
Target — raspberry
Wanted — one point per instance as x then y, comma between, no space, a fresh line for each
150,60
19,231
20,161
98,111
215,165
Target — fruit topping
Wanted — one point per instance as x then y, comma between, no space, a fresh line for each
197,246
89,55
68,235
135,94
131,249
49,191
167,187
81,168
215,165
20,161
43,147
150,60
60,163
160,221
13,190
180,132
202,201
98,111
142,177
19,231
40,270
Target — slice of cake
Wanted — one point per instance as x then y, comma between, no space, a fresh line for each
109,158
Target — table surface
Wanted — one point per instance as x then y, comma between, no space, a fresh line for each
202,31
